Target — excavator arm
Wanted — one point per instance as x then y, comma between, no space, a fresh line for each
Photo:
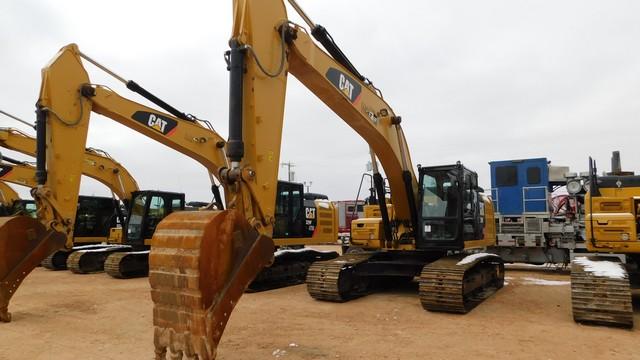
66,100
8,196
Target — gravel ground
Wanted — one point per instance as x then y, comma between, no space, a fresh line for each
59,315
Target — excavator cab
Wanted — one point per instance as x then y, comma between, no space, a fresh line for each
289,210
94,218
146,210
451,210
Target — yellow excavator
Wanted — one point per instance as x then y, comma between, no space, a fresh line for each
125,256
98,243
600,282
96,217
202,261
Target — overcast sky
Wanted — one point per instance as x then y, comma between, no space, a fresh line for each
474,81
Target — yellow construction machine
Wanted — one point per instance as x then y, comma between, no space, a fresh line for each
98,244
126,255
600,282
95,217
202,261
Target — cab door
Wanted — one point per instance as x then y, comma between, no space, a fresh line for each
289,211
440,211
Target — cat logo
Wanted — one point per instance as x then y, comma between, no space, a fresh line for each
346,84
157,122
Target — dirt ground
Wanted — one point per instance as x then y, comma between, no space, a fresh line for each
59,315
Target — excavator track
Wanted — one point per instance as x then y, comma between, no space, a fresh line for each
91,261
601,292
58,260
457,284
334,280
289,268
200,264
127,265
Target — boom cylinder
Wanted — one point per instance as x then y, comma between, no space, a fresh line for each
235,149
41,146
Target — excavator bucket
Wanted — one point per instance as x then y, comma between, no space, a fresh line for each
24,243
200,264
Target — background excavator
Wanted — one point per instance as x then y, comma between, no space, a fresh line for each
98,241
202,261
600,282
96,218
145,209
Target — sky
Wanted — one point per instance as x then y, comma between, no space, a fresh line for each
474,81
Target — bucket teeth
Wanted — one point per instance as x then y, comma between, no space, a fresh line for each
199,266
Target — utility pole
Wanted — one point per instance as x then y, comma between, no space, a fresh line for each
289,165
308,185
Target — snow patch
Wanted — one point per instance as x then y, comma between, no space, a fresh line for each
279,353
298,251
602,268
105,249
143,252
473,257
325,204
543,282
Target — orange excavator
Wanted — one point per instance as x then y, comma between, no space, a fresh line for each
202,261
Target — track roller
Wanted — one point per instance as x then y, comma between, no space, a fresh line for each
127,265
289,268
600,292
458,283
91,261
334,280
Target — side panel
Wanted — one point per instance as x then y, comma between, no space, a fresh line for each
614,220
